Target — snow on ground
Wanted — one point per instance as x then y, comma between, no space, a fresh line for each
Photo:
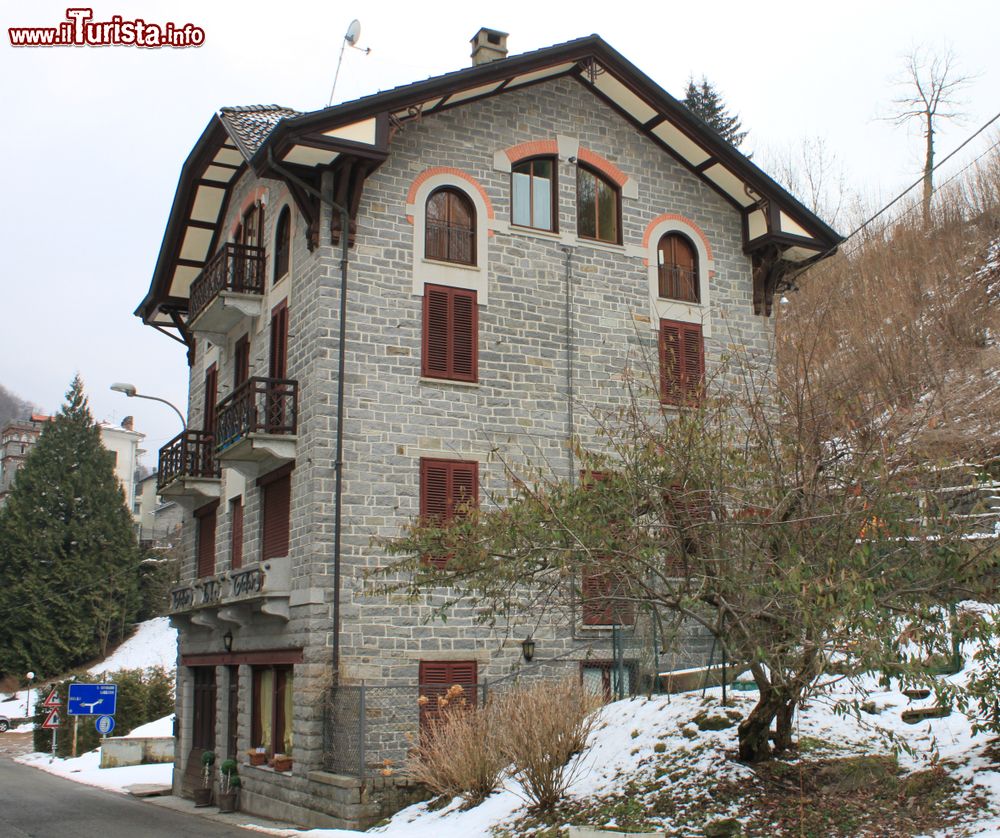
86,769
153,644
19,705
161,727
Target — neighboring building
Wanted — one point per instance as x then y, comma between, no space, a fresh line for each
19,437
16,441
519,231
158,521
123,442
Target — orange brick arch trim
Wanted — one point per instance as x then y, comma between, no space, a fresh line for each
534,148
605,167
411,196
687,222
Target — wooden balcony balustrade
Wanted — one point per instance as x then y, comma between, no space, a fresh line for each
238,268
189,454
258,406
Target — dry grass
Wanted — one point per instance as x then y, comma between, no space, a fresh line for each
904,324
459,754
546,725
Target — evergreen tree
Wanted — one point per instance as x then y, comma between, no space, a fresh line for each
68,555
703,100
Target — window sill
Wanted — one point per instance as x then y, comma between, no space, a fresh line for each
461,266
449,382
599,245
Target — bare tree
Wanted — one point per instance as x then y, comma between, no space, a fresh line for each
932,84
811,171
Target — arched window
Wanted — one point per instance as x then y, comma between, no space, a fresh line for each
282,243
533,191
450,233
598,207
677,263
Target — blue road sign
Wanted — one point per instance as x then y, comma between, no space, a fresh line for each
92,699
104,724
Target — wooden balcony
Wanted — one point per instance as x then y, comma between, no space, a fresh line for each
188,468
256,425
229,289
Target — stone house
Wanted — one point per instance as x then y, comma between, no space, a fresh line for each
375,299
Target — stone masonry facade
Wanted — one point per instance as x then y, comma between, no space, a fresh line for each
517,411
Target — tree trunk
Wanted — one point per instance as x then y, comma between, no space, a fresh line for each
783,726
755,730
929,171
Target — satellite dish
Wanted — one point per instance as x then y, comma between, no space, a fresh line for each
353,32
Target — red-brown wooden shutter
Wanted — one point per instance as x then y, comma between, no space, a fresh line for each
236,535
437,677
602,593
206,516
211,399
279,341
447,486
682,362
277,513
451,333
241,361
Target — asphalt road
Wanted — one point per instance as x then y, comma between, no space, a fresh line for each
34,804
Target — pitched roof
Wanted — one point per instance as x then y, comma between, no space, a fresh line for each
249,125
262,135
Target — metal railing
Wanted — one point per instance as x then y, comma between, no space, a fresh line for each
189,454
259,405
235,267
450,243
678,283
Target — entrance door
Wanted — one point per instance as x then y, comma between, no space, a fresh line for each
202,724
233,712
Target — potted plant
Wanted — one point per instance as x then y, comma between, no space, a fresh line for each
203,796
281,762
258,756
228,785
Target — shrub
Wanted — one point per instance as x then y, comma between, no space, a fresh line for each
459,753
545,726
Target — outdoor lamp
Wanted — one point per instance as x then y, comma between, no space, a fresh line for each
528,649
130,391
227,641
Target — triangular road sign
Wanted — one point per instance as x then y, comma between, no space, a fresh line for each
52,721
52,700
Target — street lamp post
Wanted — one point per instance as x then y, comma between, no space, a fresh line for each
27,695
130,391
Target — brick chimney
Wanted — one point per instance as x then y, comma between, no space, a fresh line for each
488,45
127,423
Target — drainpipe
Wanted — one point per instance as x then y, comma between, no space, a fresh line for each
569,364
338,464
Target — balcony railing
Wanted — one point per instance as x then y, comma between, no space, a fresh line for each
189,454
258,406
236,267
450,243
678,283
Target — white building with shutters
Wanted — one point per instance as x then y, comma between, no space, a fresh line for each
515,233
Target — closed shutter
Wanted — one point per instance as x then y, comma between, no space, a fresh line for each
279,341
451,334
241,361
446,486
277,512
206,539
236,541
203,716
682,362
603,595
437,678
211,399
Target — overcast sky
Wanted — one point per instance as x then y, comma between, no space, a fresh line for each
93,138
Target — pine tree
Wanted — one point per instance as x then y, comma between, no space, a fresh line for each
68,555
703,100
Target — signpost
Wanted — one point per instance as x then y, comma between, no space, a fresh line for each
52,704
92,699
104,724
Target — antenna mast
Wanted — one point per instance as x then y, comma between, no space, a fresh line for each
350,39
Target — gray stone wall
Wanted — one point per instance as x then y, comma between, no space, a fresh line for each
518,409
